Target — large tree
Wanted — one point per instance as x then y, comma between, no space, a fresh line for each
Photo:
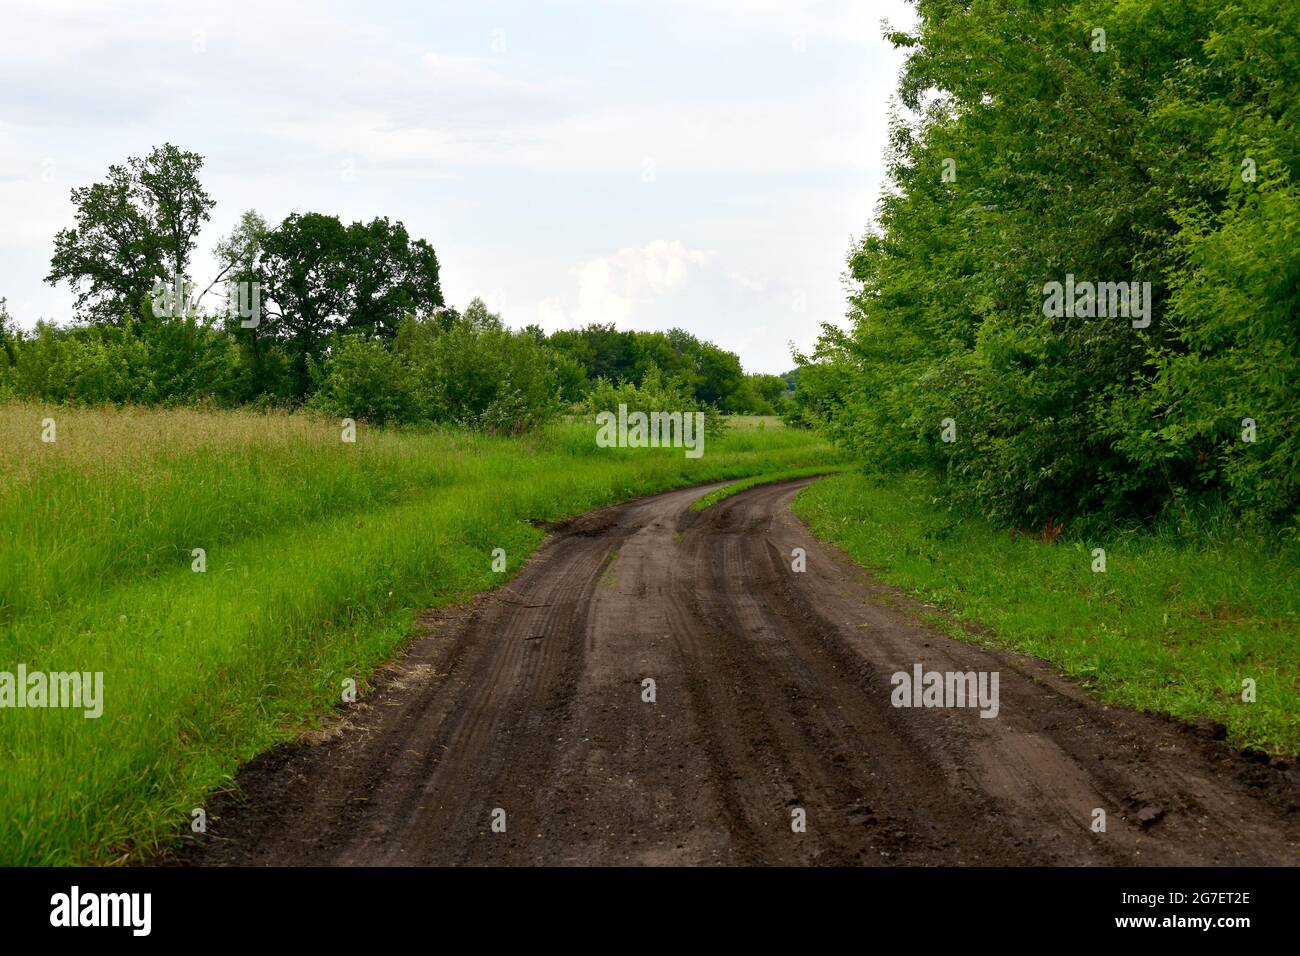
323,277
392,276
175,200
305,270
137,227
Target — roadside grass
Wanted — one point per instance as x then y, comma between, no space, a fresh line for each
319,556
789,474
1171,625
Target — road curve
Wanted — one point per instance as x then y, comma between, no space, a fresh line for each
772,695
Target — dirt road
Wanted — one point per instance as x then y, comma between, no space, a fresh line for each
772,695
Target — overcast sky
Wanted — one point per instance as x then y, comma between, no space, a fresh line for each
702,163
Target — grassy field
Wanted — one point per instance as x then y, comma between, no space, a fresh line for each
1169,626
319,554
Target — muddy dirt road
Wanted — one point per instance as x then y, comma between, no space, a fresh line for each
772,695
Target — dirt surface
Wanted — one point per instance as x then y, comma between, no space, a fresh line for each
772,695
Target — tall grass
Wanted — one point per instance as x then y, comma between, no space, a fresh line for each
1174,624
319,555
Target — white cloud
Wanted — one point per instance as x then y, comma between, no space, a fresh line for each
727,138
624,287
749,283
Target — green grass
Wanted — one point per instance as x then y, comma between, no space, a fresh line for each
1171,626
320,554
736,487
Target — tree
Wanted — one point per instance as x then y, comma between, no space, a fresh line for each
240,253
717,372
324,277
1034,151
393,276
111,258
479,317
132,230
759,395
603,350
239,256
8,338
305,269
175,199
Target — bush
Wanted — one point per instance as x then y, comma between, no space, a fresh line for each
474,372
655,394
154,361
361,378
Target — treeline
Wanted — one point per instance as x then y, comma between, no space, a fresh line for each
348,318
1055,157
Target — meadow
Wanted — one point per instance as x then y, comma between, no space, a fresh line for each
317,555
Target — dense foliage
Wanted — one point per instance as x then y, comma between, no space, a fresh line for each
1095,141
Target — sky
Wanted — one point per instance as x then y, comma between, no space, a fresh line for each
703,164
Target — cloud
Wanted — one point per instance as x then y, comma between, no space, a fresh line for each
805,22
756,285
624,286
726,138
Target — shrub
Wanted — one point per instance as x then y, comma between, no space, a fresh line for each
360,377
472,371
656,393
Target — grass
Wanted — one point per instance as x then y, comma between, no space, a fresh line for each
319,555
760,422
1170,626
736,487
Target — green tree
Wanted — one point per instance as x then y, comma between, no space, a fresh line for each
305,268
136,228
392,276
176,203
323,277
